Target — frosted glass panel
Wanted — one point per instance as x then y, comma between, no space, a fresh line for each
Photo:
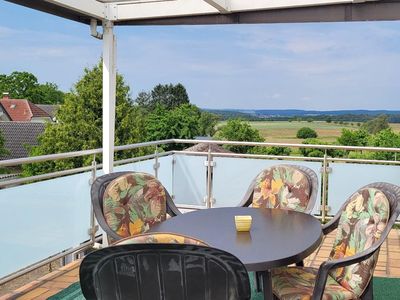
164,171
232,177
189,183
145,166
41,219
347,178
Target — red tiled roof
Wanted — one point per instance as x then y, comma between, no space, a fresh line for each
37,112
22,110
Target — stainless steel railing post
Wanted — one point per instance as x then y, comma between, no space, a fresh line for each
156,165
324,186
209,178
93,226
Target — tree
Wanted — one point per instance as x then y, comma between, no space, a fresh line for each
167,95
385,138
207,123
238,130
306,133
25,85
49,94
375,125
282,151
353,137
181,123
315,152
3,150
79,124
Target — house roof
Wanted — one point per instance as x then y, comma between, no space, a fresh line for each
203,147
49,108
18,135
20,110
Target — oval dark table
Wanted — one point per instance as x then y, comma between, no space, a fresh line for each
277,237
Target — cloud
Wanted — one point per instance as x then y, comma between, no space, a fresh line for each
314,66
5,32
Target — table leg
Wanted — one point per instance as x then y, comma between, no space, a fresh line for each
257,279
267,285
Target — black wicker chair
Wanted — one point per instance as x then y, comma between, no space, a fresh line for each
163,272
97,194
329,278
308,173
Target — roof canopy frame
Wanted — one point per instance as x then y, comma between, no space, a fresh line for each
177,12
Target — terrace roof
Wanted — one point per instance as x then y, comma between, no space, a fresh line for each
173,12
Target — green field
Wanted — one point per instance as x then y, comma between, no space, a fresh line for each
285,132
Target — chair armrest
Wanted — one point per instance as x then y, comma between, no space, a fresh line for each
326,266
172,210
331,225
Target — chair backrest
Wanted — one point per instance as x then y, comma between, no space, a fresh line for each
160,238
366,217
163,271
129,203
284,186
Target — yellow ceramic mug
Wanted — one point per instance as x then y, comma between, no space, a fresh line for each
243,223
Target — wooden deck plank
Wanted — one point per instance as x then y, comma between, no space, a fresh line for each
388,266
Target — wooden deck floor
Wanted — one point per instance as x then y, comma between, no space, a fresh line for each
388,266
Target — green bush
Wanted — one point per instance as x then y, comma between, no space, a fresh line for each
306,133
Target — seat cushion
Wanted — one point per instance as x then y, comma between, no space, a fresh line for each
282,187
297,283
163,238
361,224
133,202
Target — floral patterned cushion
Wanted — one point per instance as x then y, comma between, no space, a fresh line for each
297,283
360,225
164,238
282,187
133,202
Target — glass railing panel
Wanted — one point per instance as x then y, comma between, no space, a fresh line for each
41,219
189,179
346,178
147,166
232,177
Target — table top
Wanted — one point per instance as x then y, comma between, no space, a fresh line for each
277,237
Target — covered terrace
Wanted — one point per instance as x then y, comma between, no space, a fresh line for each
102,16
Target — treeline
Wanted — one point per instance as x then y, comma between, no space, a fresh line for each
337,118
348,118
231,114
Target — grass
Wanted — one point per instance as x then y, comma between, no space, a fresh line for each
285,131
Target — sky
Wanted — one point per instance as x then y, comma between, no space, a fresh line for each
319,66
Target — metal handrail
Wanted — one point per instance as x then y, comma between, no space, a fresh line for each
58,156
313,146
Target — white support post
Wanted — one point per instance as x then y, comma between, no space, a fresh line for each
109,95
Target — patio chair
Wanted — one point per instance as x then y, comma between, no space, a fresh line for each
160,238
163,271
283,186
129,203
363,223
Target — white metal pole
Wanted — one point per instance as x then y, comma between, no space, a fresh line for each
109,91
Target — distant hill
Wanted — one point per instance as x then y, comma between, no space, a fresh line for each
287,114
